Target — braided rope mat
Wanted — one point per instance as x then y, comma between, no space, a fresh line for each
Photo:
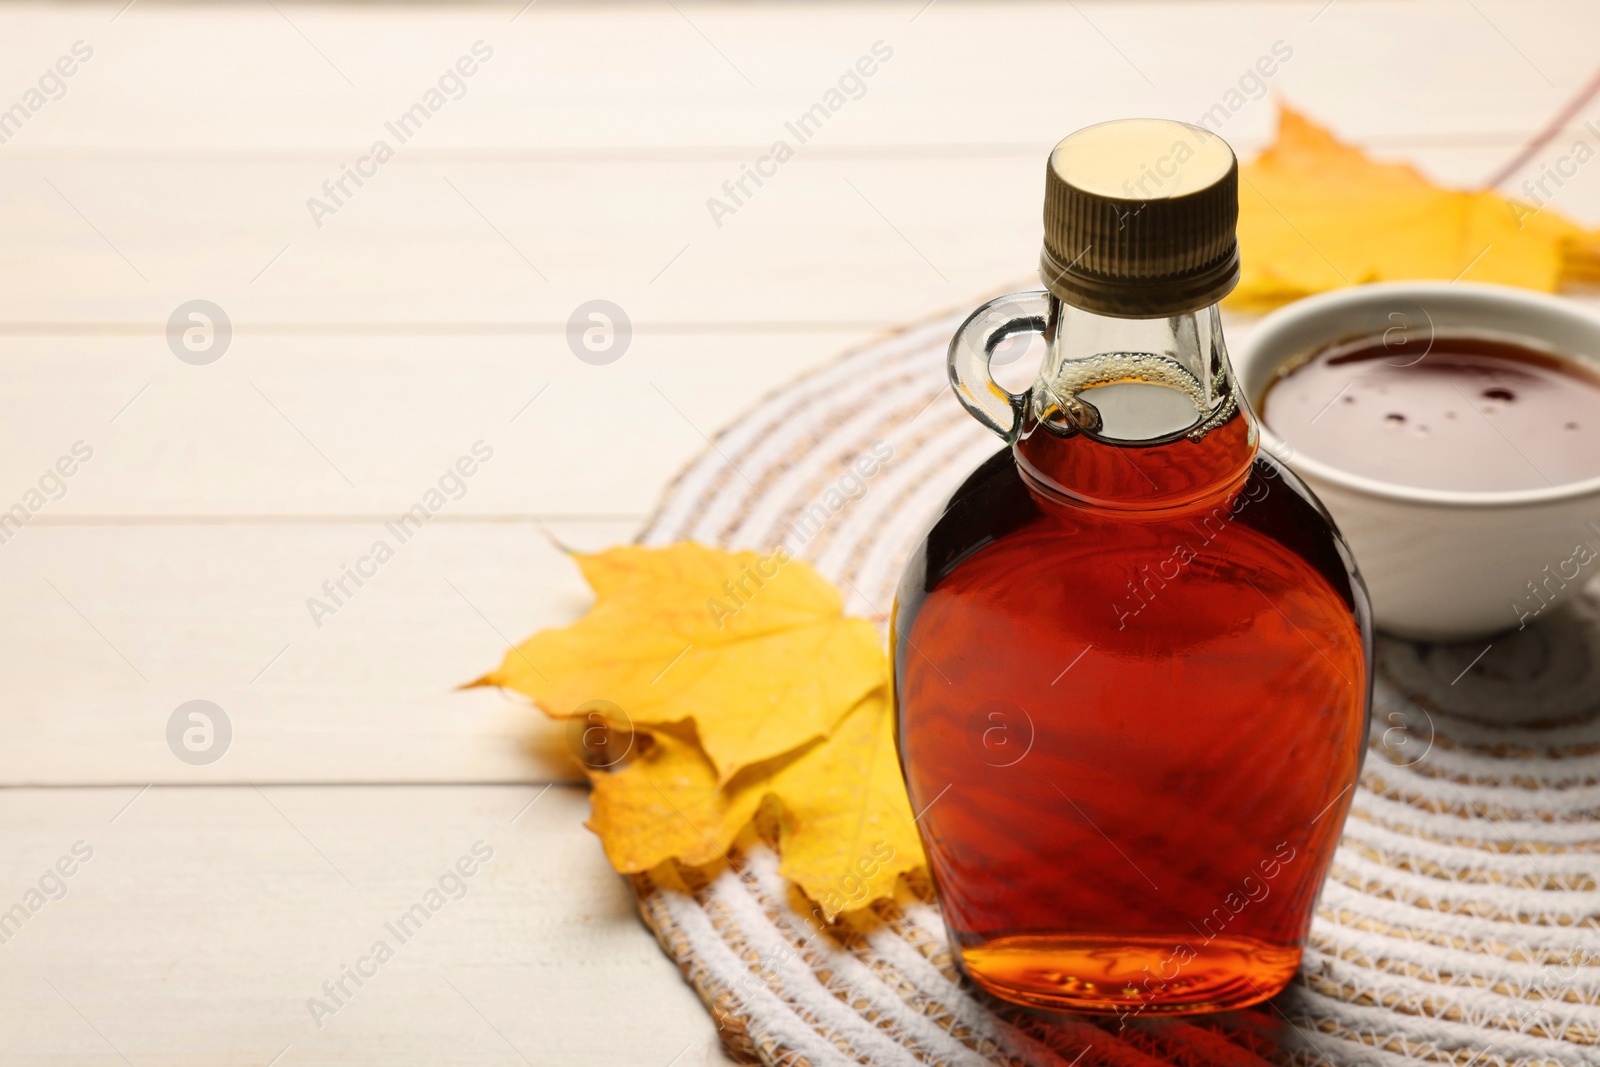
1460,923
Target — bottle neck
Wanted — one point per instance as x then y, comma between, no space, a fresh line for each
1135,413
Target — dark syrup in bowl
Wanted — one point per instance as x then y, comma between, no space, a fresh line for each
1473,412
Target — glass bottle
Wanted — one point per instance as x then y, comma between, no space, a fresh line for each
1131,655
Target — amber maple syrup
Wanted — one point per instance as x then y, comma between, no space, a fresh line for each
1442,419
1131,678
1178,681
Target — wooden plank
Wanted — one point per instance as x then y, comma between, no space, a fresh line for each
205,919
227,79
342,423
512,243
351,426
114,627
926,187
480,248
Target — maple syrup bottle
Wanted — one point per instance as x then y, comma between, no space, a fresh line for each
1131,655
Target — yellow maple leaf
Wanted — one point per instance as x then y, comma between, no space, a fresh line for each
845,825
749,688
665,804
754,650
847,831
1316,214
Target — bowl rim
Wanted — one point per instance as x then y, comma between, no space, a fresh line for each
1280,319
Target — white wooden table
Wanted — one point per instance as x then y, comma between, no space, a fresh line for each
427,312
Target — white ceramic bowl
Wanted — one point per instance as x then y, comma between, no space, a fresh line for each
1441,564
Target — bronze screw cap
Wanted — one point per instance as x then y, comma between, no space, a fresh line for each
1139,218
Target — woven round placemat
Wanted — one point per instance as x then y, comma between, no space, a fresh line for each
1460,923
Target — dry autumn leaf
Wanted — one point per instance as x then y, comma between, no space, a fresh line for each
845,825
665,804
777,701
848,831
1315,214
753,650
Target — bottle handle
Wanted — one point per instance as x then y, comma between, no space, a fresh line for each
973,347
